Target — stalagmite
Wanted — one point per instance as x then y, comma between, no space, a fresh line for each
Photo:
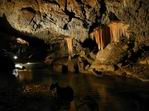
70,46
117,30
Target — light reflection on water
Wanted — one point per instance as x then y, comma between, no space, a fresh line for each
95,94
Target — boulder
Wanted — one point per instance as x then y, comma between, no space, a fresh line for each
112,54
109,57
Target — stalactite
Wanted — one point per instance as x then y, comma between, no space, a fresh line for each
70,46
117,30
100,37
111,33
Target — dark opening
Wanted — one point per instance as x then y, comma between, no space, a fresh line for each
64,69
65,27
71,14
90,44
29,9
37,49
113,17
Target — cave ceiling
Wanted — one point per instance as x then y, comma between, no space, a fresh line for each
53,20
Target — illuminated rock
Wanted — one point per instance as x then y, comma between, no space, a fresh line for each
50,20
109,57
22,42
70,46
53,20
117,30
102,36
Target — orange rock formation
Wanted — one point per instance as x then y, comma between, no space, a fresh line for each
111,33
70,46
117,30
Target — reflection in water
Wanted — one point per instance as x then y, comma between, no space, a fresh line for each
92,93
25,75
63,95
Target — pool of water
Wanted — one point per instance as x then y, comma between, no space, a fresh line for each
91,93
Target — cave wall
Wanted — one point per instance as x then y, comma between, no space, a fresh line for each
52,20
133,12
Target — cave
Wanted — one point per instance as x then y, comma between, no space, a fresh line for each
74,55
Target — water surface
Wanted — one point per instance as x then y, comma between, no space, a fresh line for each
91,93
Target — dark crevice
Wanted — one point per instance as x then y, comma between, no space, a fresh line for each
140,5
118,1
90,44
44,16
92,27
135,1
83,11
113,17
8,29
38,4
88,6
65,27
29,9
64,69
82,5
32,19
52,2
37,47
79,1
102,10
85,24
71,14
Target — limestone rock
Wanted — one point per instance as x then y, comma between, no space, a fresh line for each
144,60
133,12
52,20
63,65
112,54
109,57
48,19
102,67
